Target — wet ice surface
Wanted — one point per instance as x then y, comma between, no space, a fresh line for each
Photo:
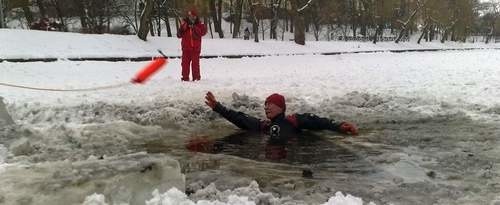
417,144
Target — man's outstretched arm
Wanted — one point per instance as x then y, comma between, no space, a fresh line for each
239,119
314,122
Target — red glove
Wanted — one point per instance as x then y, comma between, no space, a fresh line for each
348,128
200,144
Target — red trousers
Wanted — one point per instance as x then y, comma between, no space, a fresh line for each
191,58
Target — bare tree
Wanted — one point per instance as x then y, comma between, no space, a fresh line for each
237,18
2,21
219,23
60,14
41,6
298,8
28,15
495,13
275,7
253,17
405,25
145,20
216,16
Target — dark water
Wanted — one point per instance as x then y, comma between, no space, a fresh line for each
435,161
307,150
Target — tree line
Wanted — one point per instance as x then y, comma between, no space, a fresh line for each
432,20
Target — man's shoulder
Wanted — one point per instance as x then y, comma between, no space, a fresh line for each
293,119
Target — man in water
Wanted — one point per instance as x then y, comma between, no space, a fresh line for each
278,125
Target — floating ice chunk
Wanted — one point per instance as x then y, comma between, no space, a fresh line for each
5,118
341,199
176,197
171,197
95,199
3,153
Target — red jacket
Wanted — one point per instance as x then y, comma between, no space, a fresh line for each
191,35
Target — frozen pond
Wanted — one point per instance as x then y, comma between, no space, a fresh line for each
428,129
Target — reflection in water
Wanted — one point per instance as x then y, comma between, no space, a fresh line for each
308,149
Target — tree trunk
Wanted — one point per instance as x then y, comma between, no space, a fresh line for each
209,25
237,20
60,14
299,24
219,22
231,15
81,12
216,18
447,31
2,16
445,36
424,33
283,30
167,24
159,14
28,14
378,32
262,29
145,20
255,23
286,22
108,15
432,33
41,7
151,27
410,19
275,19
213,13
492,31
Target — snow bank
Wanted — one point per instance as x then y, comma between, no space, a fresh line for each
41,44
341,199
250,195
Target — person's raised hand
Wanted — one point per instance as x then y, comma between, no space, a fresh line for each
210,100
349,128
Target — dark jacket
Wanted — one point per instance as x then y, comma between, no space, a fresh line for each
191,35
281,127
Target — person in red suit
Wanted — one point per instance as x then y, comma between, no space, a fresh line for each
191,31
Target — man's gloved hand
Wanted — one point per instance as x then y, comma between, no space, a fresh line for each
210,100
200,144
348,128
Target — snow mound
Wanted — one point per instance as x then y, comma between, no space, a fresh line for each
341,199
250,195
5,118
95,199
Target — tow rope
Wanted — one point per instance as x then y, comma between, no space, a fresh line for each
140,78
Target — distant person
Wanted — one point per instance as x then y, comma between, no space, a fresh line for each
42,24
246,34
278,125
191,32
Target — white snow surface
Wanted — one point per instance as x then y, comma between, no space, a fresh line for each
421,82
42,44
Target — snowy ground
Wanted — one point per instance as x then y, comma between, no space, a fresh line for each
428,121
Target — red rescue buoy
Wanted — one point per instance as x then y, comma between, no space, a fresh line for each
149,70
